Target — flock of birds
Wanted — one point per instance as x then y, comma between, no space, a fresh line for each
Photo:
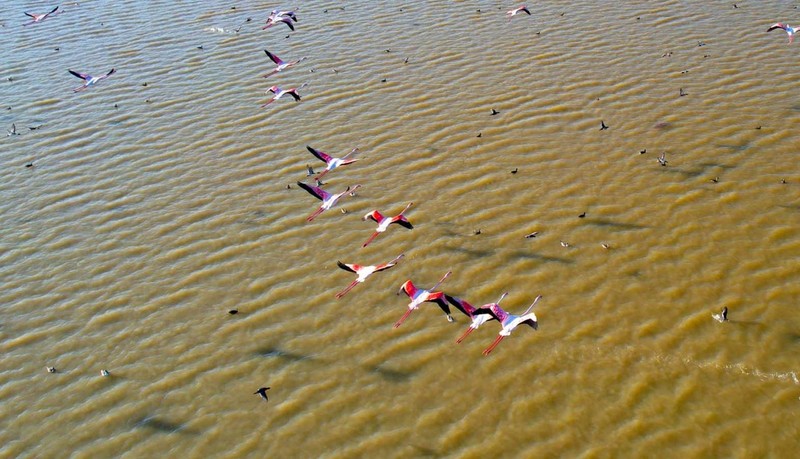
418,296
478,315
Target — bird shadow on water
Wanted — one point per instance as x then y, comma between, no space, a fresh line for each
389,374
280,353
616,225
544,258
163,426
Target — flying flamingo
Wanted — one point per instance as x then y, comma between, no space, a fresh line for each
363,272
279,14
89,80
280,92
332,163
384,222
272,20
789,30
469,310
328,200
509,321
419,296
39,17
281,65
514,12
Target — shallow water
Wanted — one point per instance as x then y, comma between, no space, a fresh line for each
150,211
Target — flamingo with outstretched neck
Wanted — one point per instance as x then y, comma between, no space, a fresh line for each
790,31
281,65
39,17
363,272
89,80
328,200
280,93
419,296
384,222
331,163
509,321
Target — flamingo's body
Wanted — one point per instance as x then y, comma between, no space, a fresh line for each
509,321
478,319
278,93
281,65
363,272
419,296
786,28
331,162
521,9
39,17
384,222
89,80
328,200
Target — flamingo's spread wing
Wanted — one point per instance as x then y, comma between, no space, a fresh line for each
347,267
315,191
274,58
320,155
409,289
375,216
461,305
82,76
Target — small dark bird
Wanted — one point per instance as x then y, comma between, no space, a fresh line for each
533,234
783,181
603,126
583,215
758,127
494,112
200,47
405,61
479,135
682,93
476,232
263,393
641,152
663,159
309,171
51,369
33,128
715,179
30,164
514,171
288,187
722,316
233,311
388,50
383,80
13,130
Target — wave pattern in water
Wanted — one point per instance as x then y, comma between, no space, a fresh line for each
163,197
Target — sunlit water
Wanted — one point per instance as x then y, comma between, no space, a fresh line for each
157,201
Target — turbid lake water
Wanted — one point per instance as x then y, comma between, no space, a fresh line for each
165,196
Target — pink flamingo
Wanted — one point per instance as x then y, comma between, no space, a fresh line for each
509,321
281,65
274,19
39,17
280,93
331,162
384,222
470,310
363,272
89,80
419,296
514,12
328,200
788,29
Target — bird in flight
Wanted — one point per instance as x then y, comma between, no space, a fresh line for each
786,28
262,392
89,80
39,17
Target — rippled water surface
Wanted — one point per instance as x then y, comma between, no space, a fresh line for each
165,196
